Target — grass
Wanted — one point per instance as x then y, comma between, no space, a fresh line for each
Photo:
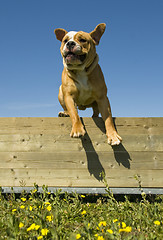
63,216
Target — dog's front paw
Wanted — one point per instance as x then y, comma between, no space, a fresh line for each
114,138
63,114
77,131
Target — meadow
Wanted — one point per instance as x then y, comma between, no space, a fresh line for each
64,216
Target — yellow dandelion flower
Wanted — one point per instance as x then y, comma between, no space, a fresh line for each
49,208
78,236
96,235
47,203
30,208
29,229
123,224
48,193
89,224
14,210
128,229
34,191
37,227
32,227
115,220
44,231
100,238
83,196
22,206
83,212
103,223
21,225
23,199
49,218
110,231
40,237
157,222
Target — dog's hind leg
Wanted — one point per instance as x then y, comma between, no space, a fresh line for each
95,109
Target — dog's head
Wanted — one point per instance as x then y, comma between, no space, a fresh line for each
78,48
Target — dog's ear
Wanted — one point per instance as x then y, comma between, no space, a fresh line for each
60,33
97,33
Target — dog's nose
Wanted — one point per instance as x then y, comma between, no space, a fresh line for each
70,44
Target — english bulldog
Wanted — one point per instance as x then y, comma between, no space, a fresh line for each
83,83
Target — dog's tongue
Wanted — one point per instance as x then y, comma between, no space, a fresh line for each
70,57
70,54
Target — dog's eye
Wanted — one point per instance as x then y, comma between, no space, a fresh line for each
65,41
82,40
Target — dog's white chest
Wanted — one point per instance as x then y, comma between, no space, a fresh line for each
84,88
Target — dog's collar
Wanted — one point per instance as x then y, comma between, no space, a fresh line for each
88,69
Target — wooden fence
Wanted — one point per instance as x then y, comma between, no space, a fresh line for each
40,150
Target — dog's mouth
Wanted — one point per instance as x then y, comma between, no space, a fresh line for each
71,57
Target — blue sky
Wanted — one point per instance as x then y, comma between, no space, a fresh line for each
130,52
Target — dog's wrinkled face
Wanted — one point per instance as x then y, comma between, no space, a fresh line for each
78,48
74,48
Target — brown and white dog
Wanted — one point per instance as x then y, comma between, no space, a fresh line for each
83,83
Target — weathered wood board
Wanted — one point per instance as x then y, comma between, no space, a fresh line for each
40,150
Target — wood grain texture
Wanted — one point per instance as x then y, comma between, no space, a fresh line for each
40,150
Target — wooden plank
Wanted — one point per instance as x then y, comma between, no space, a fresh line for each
79,178
92,160
40,150
12,125
91,131
127,121
60,142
